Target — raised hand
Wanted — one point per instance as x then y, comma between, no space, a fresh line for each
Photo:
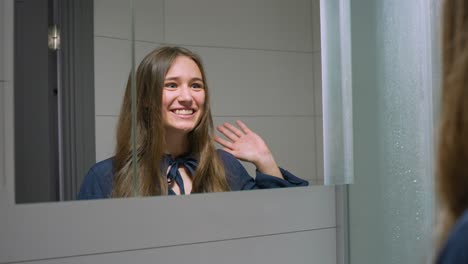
246,145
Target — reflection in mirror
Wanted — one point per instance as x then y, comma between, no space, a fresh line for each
263,69
174,138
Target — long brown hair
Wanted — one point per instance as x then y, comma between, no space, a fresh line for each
452,163
209,175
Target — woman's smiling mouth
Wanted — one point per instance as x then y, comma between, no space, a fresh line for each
183,111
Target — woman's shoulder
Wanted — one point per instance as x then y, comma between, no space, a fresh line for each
456,248
464,220
103,166
460,231
102,171
98,181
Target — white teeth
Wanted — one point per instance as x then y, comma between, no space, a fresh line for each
184,111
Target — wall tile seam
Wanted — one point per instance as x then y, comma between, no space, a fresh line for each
305,52
319,161
164,20
317,151
313,7
311,52
171,246
315,116
3,176
316,51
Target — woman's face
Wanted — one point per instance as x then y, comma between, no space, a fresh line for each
183,96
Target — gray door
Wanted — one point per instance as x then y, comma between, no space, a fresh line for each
54,99
36,144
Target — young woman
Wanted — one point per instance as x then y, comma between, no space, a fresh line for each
452,171
175,139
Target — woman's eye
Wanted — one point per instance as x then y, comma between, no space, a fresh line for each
170,85
197,86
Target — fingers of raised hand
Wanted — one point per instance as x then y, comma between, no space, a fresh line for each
234,129
243,126
223,142
229,131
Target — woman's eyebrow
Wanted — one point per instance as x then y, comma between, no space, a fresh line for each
177,78
197,79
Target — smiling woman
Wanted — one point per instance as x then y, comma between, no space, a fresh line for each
174,139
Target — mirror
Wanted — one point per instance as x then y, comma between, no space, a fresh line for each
262,63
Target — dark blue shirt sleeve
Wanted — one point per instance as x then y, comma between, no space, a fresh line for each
239,179
456,247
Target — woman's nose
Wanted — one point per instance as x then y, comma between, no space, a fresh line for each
185,94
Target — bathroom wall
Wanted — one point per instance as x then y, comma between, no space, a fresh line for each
262,60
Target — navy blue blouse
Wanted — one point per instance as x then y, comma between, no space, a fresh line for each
456,247
97,184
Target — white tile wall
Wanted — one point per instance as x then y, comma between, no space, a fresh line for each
105,136
318,83
112,62
319,148
316,25
2,132
112,18
261,24
142,49
149,21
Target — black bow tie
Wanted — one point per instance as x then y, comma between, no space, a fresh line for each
189,163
